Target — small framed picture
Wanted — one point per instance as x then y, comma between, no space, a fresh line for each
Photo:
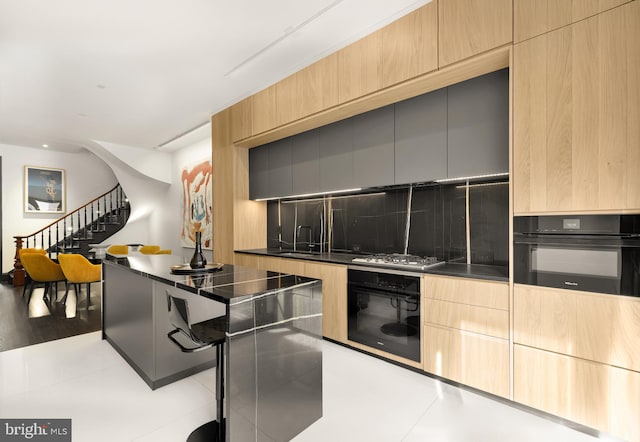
44,190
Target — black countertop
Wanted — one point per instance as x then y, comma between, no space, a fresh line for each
228,284
476,271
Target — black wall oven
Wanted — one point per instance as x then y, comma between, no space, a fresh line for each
596,253
384,310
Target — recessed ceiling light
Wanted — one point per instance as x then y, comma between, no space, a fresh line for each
45,145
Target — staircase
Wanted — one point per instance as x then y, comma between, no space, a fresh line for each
92,223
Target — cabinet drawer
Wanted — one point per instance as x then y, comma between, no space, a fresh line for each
476,292
568,387
602,328
479,361
486,321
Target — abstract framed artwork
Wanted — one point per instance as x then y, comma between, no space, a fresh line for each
44,190
197,204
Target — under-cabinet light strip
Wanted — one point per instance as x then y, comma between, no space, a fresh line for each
304,195
467,178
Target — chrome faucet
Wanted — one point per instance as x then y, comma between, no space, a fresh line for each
299,230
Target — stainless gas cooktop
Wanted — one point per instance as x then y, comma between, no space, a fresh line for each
399,261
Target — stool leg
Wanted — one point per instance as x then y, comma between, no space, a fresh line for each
220,391
47,286
88,294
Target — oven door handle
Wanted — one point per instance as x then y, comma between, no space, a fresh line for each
380,292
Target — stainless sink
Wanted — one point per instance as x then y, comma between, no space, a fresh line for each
296,254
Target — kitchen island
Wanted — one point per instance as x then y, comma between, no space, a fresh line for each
272,327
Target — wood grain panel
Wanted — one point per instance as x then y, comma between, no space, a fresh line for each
245,260
410,45
264,110
529,125
481,320
478,361
288,103
575,97
360,68
545,318
293,267
559,129
470,27
535,17
223,200
241,119
633,106
624,400
476,292
613,84
601,328
567,387
608,328
334,298
318,88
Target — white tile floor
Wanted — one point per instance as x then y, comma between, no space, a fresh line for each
365,399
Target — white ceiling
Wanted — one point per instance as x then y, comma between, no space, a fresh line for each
143,72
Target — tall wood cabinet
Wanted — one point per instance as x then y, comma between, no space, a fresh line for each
576,100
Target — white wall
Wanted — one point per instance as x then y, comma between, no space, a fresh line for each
165,224
87,177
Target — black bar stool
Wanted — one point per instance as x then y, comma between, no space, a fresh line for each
204,335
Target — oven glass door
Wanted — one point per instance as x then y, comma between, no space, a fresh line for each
385,320
578,267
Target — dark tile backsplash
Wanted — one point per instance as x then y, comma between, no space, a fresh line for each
376,222
438,223
370,223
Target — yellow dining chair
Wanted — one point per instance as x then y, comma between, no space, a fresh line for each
154,250
118,250
149,250
27,279
79,270
41,269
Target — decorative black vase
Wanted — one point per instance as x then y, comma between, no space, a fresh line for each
198,260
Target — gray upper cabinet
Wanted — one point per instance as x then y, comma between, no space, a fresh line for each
259,172
373,148
336,156
421,138
478,120
280,174
454,132
305,154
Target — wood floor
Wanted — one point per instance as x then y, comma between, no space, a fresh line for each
43,321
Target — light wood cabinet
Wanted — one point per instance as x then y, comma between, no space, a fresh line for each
535,17
466,333
360,68
472,359
597,395
241,119
568,387
264,110
489,294
410,45
601,328
318,86
576,99
624,402
470,27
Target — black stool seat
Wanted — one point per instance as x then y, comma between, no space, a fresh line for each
204,335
